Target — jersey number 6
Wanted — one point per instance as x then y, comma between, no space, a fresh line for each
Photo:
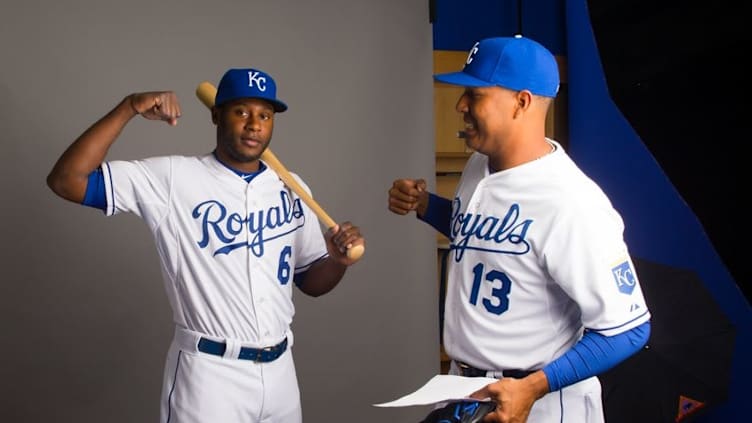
283,271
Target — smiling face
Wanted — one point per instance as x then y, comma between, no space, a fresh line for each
488,113
507,126
244,130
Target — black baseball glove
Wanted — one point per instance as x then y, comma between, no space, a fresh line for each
465,411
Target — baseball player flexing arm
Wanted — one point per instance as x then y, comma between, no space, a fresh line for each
541,290
232,241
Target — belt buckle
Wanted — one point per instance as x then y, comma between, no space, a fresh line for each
463,367
470,371
260,352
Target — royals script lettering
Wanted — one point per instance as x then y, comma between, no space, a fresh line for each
494,234
223,228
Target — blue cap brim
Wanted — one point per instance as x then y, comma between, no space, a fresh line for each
463,79
277,105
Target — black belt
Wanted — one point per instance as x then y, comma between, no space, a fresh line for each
263,355
470,371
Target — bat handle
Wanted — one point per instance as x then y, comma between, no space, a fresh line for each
353,252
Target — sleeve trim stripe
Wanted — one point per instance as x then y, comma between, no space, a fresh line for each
306,266
640,317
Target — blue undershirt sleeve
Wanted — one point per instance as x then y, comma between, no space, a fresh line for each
594,354
95,193
299,278
438,213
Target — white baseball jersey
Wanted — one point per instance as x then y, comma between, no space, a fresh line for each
537,255
228,250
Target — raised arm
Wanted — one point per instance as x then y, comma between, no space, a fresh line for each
69,176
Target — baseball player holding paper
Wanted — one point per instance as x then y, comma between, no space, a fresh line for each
232,241
541,290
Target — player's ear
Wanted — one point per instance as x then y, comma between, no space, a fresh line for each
524,98
215,115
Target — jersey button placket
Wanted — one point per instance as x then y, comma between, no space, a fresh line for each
472,204
251,207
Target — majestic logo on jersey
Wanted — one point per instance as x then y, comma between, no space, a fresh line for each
508,232
625,277
223,227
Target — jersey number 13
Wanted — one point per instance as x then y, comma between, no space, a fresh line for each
499,301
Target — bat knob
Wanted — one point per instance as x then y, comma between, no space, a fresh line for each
355,252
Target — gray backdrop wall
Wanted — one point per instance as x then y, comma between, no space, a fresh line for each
85,322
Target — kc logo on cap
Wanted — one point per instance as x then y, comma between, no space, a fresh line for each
258,78
472,53
248,83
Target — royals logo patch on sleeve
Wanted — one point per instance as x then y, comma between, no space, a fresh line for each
624,277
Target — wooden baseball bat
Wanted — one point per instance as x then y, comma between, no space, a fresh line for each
206,92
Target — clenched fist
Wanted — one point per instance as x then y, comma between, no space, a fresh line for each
408,195
156,105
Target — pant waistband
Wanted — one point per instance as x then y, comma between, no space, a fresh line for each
470,371
261,355
194,341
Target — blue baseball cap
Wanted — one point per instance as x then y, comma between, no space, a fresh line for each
516,63
248,83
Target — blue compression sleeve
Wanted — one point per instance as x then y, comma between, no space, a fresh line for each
438,213
95,193
594,354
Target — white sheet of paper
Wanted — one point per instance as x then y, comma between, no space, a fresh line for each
441,388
